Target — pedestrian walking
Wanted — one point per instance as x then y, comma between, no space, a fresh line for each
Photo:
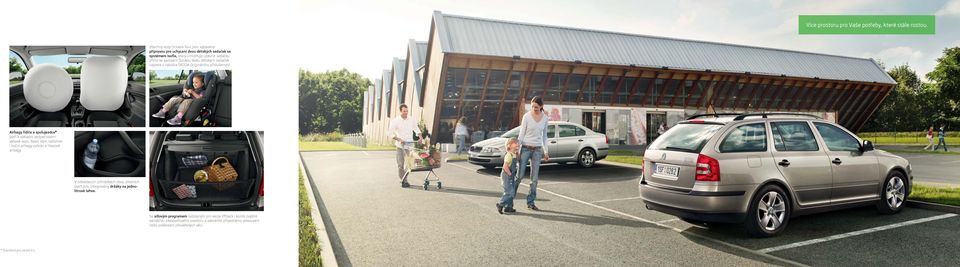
929,139
401,131
460,135
943,135
533,147
508,175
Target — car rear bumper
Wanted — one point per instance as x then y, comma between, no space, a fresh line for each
722,206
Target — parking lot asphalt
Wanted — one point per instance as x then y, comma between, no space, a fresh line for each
589,217
936,169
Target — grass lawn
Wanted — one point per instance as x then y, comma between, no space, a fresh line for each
309,243
155,83
624,152
635,160
888,140
338,146
15,82
941,195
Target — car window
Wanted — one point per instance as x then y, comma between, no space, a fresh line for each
793,136
746,138
167,77
837,139
16,65
686,137
515,132
570,130
138,65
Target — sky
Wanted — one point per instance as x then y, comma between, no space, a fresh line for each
364,36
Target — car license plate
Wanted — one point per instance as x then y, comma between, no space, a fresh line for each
667,171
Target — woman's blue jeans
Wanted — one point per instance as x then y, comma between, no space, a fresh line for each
533,157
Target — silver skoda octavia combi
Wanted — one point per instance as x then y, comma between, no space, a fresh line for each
762,169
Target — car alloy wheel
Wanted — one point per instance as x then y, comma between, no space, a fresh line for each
895,192
771,211
586,158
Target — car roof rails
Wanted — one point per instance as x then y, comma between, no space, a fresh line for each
764,115
715,115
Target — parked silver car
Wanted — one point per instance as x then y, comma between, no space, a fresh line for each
763,169
568,142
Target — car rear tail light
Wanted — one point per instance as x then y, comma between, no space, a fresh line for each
151,190
606,139
695,121
261,185
708,169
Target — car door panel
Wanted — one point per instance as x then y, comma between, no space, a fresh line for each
855,174
802,162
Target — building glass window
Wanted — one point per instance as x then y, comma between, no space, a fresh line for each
573,88
537,84
623,91
516,80
641,91
590,89
696,94
734,94
475,80
606,93
670,91
655,93
799,102
555,87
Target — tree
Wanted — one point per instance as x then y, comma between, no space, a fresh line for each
138,64
73,69
153,75
331,101
16,67
946,77
903,109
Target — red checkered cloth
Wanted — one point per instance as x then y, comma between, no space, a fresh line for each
185,191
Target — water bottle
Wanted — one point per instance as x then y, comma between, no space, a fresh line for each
90,154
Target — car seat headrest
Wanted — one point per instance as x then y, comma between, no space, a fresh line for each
229,136
226,80
206,136
184,137
209,79
48,87
103,83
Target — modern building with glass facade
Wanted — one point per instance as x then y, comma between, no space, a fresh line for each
623,85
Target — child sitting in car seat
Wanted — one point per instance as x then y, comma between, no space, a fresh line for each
184,99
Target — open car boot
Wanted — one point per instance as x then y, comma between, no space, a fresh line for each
121,154
206,170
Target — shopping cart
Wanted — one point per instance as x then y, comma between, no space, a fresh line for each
422,160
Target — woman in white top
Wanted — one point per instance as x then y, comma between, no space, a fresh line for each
460,135
533,147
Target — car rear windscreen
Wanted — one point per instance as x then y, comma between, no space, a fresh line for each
686,137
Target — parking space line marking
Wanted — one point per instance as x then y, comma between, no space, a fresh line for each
365,152
616,199
678,230
669,220
856,233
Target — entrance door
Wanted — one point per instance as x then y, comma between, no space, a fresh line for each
596,121
654,120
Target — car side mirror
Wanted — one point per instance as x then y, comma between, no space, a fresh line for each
866,146
16,75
